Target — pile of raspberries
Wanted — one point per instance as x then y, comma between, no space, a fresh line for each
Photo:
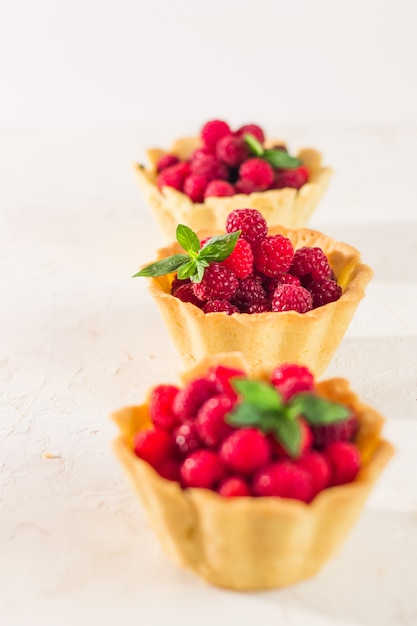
225,166
191,442
263,273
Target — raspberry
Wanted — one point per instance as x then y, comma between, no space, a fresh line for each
166,160
249,293
189,399
291,298
211,427
174,176
220,306
160,406
290,379
195,186
186,438
318,467
233,486
305,443
186,294
251,129
310,264
203,469
344,459
232,150
283,479
282,278
178,282
208,166
295,178
218,283
240,261
258,172
219,188
343,430
324,291
274,255
250,221
170,469
213,131
221,376
259,307
245,451
245,186
153,445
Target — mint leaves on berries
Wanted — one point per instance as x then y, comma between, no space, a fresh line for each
192,264
261,406
276,158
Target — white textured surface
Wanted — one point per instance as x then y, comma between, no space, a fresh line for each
79,338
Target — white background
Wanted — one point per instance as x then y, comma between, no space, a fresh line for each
85,87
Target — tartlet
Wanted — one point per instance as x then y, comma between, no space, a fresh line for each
267,338
290,207
247,543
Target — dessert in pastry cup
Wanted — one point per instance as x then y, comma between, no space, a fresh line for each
269,337
291,206
246,542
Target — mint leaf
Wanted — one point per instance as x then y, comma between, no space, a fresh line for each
317,410
188,269
259,393
165,266
187,238
244,414
197,277
218,248
281,159
288,433
254,145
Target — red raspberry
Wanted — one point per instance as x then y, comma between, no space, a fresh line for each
232,150
291,298
343,430
189,399
305,443
310,264
251,129
249,293
218,283
233,486
186,438
295,178
186,294
211,427
318,467
324,291
245,451
195,186
170,469
220,306
160,406
213,131
259,307
245,186
166,160
250,221
178,282
345,462
203,469
219,188
208,166
283,479
282,278
221,375
153,445
174,176
273,255
240,261
258,171
290,379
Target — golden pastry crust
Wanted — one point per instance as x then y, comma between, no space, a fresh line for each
266,339
253,543
290,207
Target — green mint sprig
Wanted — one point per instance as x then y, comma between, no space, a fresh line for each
261,406
195,260
276,158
